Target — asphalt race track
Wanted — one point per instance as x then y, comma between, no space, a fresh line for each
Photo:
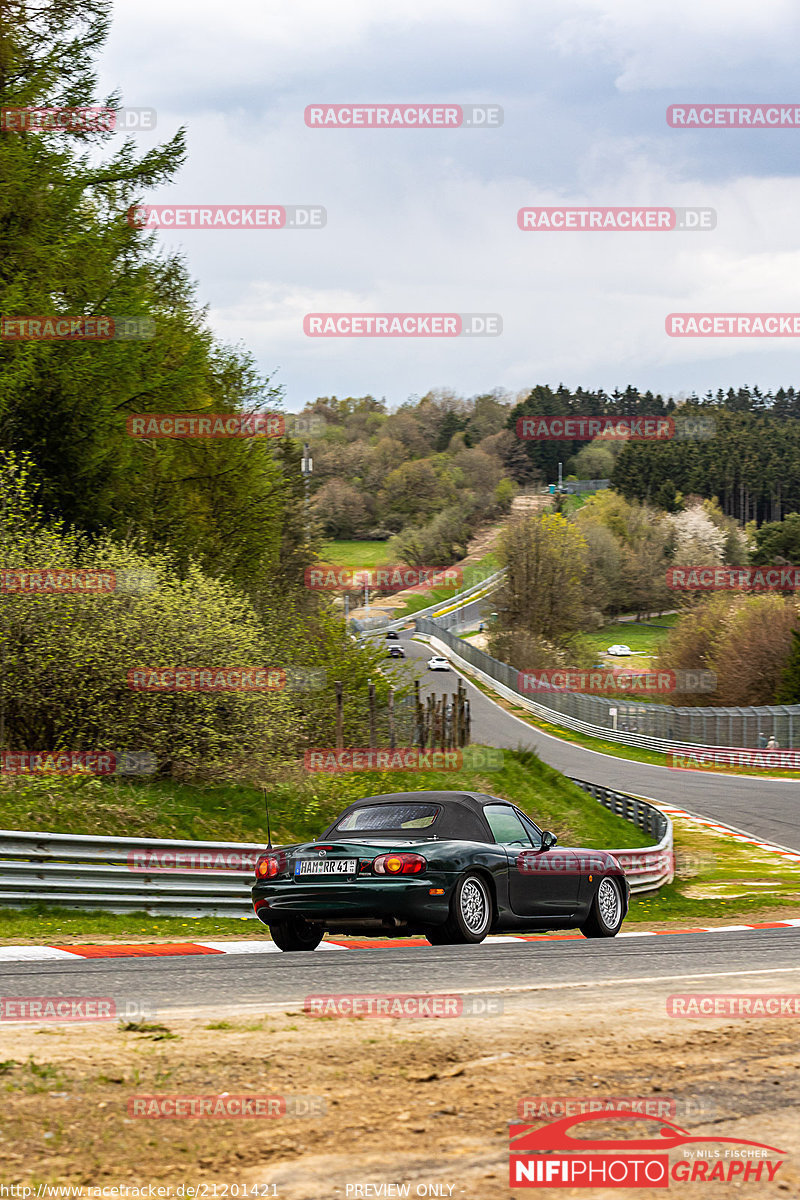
533,971
540,974
765,807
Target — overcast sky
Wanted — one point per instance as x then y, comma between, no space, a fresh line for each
425,220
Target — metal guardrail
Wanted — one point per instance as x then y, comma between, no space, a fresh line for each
458,600
75,871
115,874
658,727
652,866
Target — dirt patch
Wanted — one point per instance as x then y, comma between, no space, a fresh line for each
404,1101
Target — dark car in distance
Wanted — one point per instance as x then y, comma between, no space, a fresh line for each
453,866
392,636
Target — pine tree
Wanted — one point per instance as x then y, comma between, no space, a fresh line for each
67,247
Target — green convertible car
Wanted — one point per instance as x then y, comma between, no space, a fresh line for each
453,866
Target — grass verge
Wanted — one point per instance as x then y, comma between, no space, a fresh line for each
718,878
302,804
473,573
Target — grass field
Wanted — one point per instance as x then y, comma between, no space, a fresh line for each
644,638
356,554
717,877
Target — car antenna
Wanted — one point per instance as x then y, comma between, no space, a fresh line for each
269,831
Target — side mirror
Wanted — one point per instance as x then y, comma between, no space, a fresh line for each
549,840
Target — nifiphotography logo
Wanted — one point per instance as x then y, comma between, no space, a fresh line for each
657,1154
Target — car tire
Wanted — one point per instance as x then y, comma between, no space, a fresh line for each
296,934
607,912
470,914
437,935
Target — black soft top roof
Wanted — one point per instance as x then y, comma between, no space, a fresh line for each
461,816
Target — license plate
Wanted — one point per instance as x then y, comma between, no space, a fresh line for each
325,866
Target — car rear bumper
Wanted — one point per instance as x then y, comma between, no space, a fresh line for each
405,900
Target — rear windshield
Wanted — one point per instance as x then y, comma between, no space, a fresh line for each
389,816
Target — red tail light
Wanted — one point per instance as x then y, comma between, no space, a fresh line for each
399,864
270,865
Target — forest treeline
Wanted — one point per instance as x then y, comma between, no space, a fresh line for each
741,446
219,526
571,572
429,472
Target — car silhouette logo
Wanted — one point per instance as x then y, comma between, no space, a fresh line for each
556,1136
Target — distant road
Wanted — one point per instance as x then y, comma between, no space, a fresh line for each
767,808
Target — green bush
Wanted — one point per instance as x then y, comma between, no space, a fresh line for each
67,657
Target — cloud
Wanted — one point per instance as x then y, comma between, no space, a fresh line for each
425,220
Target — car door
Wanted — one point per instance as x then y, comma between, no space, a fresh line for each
554,875
509,832
538,883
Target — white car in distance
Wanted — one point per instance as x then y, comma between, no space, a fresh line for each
437,663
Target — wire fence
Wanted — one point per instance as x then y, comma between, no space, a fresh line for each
749,727
574,487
